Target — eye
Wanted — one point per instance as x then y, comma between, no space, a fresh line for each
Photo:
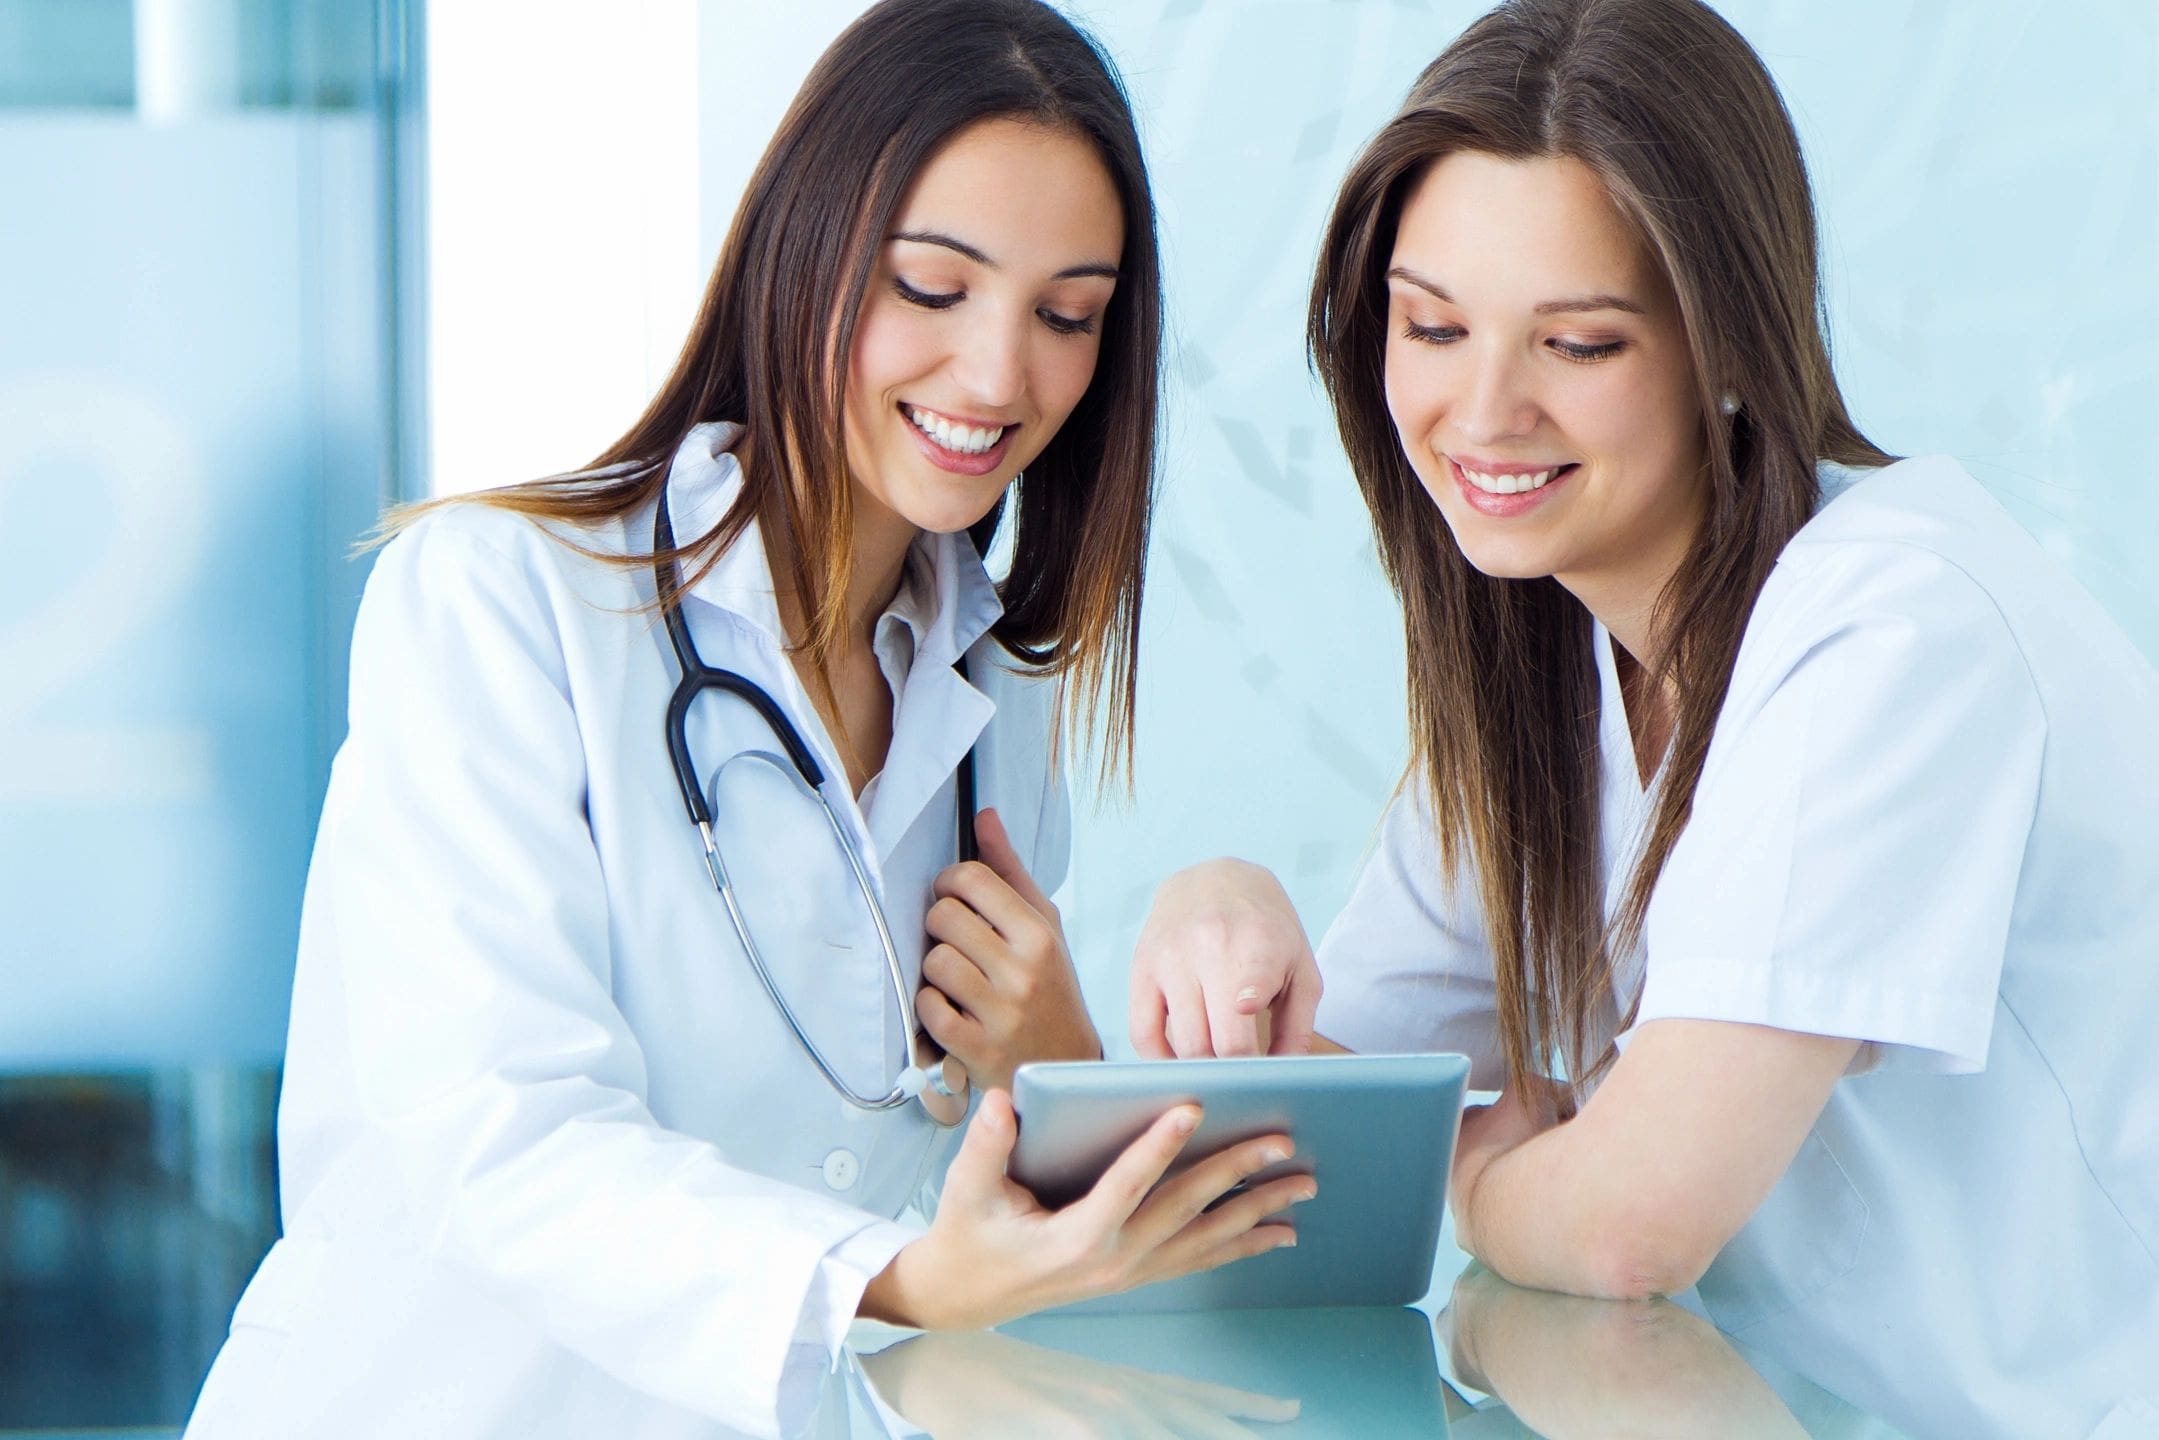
1066,324
927,299
1575,350
1431,334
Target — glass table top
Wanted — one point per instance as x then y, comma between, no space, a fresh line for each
1486,1359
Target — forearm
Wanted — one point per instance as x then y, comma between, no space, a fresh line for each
1636,1195
1553,1215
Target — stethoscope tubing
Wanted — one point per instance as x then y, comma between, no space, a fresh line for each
698,677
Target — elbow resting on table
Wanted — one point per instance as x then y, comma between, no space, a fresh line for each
1642,1260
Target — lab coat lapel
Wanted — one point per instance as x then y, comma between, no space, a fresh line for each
702,484
939,715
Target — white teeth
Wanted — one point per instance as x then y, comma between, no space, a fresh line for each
1508,484
960,439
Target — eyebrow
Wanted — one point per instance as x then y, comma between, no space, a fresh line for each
1093,269
1573,305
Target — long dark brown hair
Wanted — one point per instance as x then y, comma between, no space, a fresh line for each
1674,112
787,289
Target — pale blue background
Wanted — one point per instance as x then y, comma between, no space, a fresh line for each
205,396
1987,178
195,426
207,359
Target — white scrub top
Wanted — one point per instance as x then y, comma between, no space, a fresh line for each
551,1163
1928,820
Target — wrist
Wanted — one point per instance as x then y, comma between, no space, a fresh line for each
1470,1170
888,1298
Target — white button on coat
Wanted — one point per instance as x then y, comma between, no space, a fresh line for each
840,1169
550,1161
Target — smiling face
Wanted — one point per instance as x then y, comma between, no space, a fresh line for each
979,330
1539,378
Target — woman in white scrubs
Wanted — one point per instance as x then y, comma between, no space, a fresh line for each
553,1163
1787,798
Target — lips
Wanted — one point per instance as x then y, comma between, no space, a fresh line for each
950,442
1513,491
959,436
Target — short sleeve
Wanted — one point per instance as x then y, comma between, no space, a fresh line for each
1405,967
1852,859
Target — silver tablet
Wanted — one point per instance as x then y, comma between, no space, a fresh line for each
1378,1131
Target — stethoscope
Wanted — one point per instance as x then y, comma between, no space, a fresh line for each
697,678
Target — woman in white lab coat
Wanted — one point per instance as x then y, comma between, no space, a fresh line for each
1787,798
553,1160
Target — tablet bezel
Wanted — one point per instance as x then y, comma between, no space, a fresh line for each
1377,1130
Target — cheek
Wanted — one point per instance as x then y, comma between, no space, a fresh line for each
1414,397
1647,418
1063,369
891,347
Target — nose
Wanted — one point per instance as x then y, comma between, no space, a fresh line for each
1498,405
990,360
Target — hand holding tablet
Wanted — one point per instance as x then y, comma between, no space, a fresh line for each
1377,1131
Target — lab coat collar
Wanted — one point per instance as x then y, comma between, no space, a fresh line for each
704,481
937,715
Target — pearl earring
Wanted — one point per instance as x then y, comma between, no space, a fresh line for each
1728,403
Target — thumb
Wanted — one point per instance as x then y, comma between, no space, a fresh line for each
978,1170
999,854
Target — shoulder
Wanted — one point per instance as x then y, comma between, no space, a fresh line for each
471,593
470,551
1915,557
1929,502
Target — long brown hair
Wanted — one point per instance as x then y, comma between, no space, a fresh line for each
788,286
1674,112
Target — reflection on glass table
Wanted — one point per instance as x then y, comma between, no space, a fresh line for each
1267,1373
1568,1368
1544,1365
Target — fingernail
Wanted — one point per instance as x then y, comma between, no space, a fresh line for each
1186,1122
1291,1241
1274,1155
1249,992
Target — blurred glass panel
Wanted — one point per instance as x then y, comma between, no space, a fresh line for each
200,379
133,1208
171,59
67,52
197,420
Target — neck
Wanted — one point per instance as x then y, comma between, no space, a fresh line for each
1628,611
881,541
1623,594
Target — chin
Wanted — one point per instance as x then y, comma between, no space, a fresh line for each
1504,561
947,514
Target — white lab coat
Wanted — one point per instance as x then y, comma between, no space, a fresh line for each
551,1163
1929,820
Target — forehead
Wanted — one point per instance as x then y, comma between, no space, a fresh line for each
1022,193
1501,231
